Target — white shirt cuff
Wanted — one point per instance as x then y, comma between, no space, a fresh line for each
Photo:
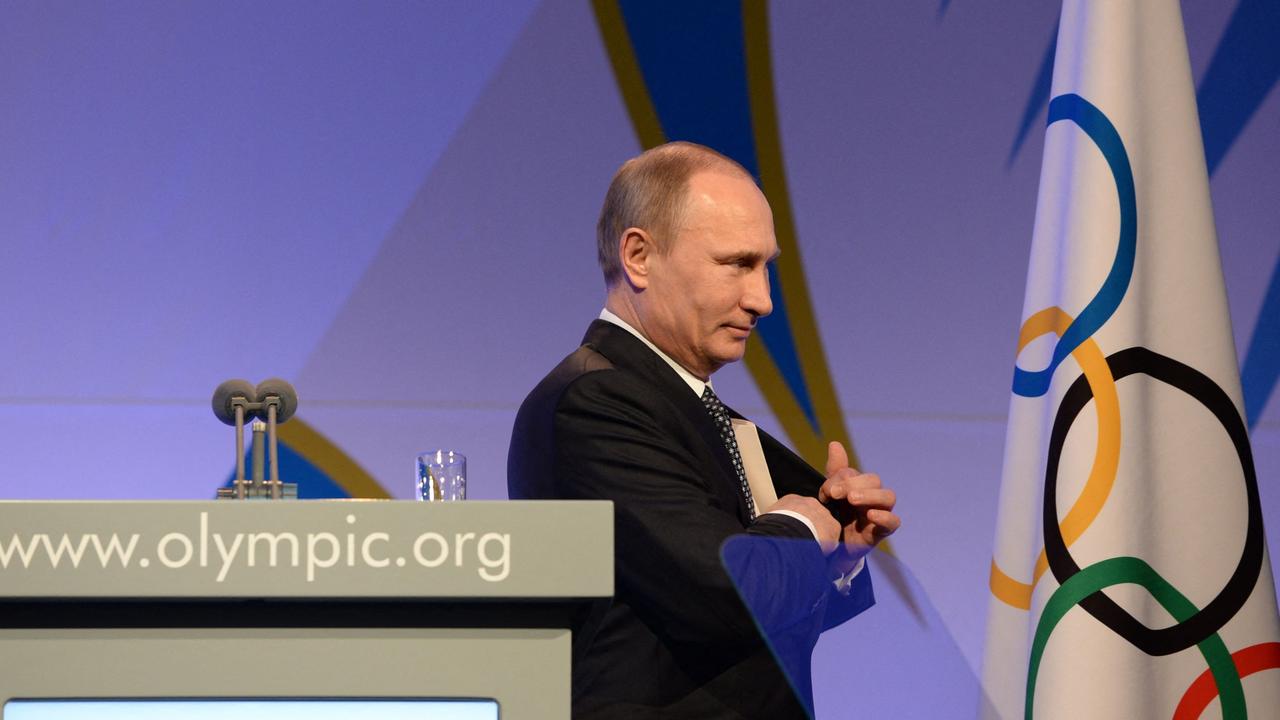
844,583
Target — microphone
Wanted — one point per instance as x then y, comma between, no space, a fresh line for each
273,400
277,392
225,395
233,401
280,401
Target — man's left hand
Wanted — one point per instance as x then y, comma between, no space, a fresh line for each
872,519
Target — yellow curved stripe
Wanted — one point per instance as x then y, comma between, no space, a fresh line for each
1106,459
331,460
635,94
810,445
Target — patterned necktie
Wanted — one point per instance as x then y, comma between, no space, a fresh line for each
720,415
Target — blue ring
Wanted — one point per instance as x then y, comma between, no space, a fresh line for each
1103,134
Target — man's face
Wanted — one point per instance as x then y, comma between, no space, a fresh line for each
707,291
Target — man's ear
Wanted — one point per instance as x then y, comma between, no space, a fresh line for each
636,249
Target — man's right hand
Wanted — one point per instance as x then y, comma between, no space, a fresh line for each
826,526
860,502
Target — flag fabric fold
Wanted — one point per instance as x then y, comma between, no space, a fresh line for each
1130,576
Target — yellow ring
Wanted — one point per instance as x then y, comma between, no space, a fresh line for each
1106,459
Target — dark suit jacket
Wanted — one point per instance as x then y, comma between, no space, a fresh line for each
613,421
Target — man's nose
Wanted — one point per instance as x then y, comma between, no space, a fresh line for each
756,299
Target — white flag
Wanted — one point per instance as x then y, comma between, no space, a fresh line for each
1130,576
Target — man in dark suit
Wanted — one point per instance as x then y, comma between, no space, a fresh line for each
630,416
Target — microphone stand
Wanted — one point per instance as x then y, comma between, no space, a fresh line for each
239,404
279,400
276,489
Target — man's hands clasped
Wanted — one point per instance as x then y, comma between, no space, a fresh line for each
865,506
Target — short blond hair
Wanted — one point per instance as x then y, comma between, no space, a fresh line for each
649,192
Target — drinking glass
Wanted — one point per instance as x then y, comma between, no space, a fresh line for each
442,476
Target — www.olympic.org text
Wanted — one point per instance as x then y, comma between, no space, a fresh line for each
311,552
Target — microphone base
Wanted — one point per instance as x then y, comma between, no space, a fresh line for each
260,491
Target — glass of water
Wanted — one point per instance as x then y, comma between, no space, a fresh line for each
442,476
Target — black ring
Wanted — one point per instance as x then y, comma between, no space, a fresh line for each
1208,620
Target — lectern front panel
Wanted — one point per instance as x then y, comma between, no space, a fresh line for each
298,601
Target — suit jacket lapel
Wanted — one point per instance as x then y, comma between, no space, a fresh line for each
625,351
